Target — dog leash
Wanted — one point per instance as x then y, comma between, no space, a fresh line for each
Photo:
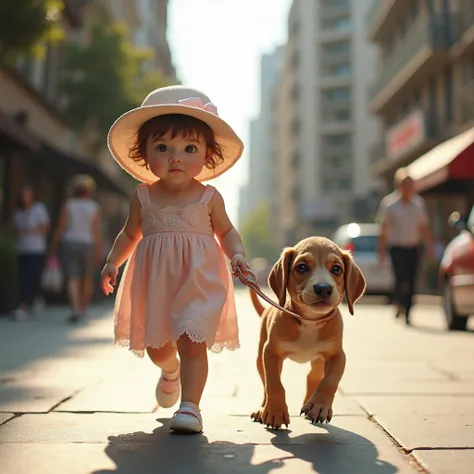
251,282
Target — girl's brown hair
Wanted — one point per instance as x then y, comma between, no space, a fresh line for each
176,124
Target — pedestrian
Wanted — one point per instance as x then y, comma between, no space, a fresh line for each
31,225
79,234
403,228
176,293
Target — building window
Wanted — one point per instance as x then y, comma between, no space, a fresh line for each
342,70
338,3
338,47
342,115
337,140
340,93
342,24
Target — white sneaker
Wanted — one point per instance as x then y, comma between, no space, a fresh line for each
21,315
187,419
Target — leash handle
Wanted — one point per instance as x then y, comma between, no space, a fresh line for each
250,280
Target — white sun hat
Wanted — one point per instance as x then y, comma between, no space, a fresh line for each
172,100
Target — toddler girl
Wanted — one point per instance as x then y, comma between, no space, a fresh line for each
176,293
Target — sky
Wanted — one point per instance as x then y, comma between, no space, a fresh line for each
216,47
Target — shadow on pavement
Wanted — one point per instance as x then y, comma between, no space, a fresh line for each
23,343
161,451
329,455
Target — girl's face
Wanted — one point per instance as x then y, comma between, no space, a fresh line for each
176,159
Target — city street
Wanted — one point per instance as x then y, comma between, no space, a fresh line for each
72,402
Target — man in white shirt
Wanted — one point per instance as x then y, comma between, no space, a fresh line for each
403,228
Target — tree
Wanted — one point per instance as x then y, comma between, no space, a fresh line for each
257,236
25,25
104,78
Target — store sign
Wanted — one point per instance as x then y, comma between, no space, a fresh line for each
406,135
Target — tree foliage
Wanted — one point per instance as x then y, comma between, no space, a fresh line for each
25,25
257,236
104,77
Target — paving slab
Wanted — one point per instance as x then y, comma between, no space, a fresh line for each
245,405
143,457
32,396
424,431
4,417
418,405
446,461
99,427
423,386
133,394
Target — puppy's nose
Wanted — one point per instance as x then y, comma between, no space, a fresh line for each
324,290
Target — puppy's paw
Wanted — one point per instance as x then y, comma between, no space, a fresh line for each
317,410
273,415
257,415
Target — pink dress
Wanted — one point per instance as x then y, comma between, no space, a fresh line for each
176,282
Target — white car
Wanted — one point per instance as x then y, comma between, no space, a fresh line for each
361,241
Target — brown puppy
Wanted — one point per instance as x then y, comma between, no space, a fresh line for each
315,274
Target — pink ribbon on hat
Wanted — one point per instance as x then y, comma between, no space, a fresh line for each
197,102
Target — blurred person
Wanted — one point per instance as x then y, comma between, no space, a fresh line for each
176,294
403,228
31,225
79,232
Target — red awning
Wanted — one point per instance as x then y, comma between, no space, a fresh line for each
451,160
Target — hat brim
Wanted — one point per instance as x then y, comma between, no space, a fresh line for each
123,134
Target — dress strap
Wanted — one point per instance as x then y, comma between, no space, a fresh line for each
143,191
207,195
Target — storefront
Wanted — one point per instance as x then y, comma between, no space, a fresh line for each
26,159
445,178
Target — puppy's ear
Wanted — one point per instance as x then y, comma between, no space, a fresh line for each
278,278
354,281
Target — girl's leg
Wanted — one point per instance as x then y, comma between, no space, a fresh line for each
194,369
164,357
168,388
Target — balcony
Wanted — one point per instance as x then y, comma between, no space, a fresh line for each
412,136
463,29
333,12
422,52
382,13
332,59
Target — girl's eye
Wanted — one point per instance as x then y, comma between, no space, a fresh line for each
302,268
161,147
191,149
336,269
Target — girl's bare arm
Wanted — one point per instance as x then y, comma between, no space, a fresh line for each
129,236
228,236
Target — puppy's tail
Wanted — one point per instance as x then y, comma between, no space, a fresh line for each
256,303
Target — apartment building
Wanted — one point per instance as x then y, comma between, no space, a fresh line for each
424,97
324,129
259,188
148,24
37,145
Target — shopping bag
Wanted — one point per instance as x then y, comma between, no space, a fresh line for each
52,276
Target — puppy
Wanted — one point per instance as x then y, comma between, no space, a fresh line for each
310,280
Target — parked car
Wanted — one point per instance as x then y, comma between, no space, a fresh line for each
456,273
361,241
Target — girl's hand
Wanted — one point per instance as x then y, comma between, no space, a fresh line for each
239,261
108,278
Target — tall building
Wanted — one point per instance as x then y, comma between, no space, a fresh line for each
424,96
324,129
148,23
259,188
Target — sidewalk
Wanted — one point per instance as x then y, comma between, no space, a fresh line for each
72,402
